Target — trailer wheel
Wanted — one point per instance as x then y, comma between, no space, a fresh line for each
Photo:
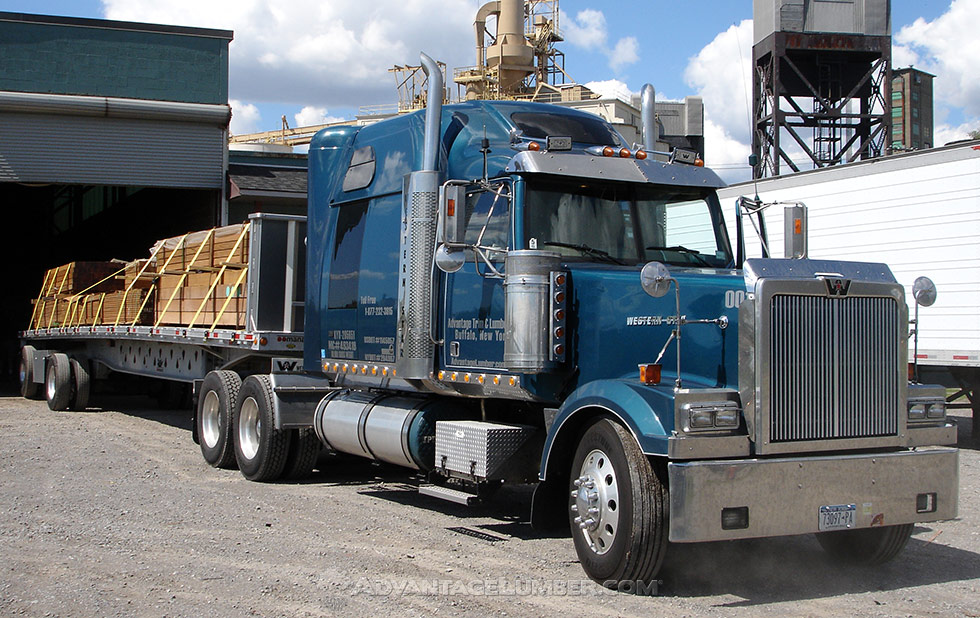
618,508
866,546
57,382
81,383
304,449
260,448
29,389
216,406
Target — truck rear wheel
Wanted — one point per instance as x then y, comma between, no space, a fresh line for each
57,383
866,546
29,389
304,449
81,385
618,508
260,448
216,406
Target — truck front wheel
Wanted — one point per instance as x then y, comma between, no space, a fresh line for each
866,546
618,508
260,448
216,405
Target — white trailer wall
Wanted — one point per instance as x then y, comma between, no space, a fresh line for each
918,212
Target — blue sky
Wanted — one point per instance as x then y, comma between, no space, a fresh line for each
317,60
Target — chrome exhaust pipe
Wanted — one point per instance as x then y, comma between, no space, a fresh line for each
648,117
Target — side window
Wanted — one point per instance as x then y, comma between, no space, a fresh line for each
346,260
488,219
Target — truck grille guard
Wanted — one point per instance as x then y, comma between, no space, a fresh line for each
825,361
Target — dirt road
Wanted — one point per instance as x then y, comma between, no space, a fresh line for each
114,513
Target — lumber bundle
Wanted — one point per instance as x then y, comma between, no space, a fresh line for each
194,280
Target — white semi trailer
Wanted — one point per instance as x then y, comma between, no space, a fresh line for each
917,212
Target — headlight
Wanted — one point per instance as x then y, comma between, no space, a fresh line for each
714,415
937,410
917,411
702,418
727,417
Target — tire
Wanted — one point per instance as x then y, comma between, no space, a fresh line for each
215,407
304,449
260,448
57,382
81,385
29,389
621,543
867,546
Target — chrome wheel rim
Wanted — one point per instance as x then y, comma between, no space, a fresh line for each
50,385
595,502
211,419
249,428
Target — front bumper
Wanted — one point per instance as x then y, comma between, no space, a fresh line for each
783,496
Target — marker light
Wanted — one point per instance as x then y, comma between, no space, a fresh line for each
625,153
608,151
534,146
699,163
641,154
451,207
650,373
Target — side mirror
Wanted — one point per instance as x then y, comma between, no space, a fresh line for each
924,291
655,279
449,260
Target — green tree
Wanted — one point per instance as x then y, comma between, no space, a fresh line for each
975,134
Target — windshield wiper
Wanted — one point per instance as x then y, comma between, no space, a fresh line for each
599,253
681,249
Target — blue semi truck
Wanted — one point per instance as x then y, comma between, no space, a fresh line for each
505,292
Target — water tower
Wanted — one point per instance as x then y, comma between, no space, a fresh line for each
822,82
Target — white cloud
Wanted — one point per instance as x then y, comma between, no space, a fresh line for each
310,115
945,133
588,30
245,117
308,52
947,47
626,52
721,74
611,89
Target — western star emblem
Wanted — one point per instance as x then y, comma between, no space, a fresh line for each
837,287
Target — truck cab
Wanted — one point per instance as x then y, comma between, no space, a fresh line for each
513,293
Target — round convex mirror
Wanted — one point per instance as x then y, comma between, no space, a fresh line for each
655,279
449,260
924,291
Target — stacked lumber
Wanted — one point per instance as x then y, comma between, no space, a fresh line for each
63,286
201,278
196,280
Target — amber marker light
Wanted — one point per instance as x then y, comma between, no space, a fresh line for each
641,154
625,153
608,151
699,162
650,373
534,146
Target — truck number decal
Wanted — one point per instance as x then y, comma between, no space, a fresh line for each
734,298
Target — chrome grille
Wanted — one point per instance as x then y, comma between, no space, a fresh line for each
834,368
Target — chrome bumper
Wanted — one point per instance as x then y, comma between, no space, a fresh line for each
784,495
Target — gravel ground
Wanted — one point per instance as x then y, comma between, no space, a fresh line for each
113,512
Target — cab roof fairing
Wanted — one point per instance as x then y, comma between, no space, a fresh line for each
578,165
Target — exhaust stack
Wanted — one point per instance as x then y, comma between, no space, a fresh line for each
415,357
648,117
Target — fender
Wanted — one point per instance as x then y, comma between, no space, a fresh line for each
648,412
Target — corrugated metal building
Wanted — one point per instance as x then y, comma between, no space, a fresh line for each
112,135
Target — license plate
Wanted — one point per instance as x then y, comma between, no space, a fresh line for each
837,517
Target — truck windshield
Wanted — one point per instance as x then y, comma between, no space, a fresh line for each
626,224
